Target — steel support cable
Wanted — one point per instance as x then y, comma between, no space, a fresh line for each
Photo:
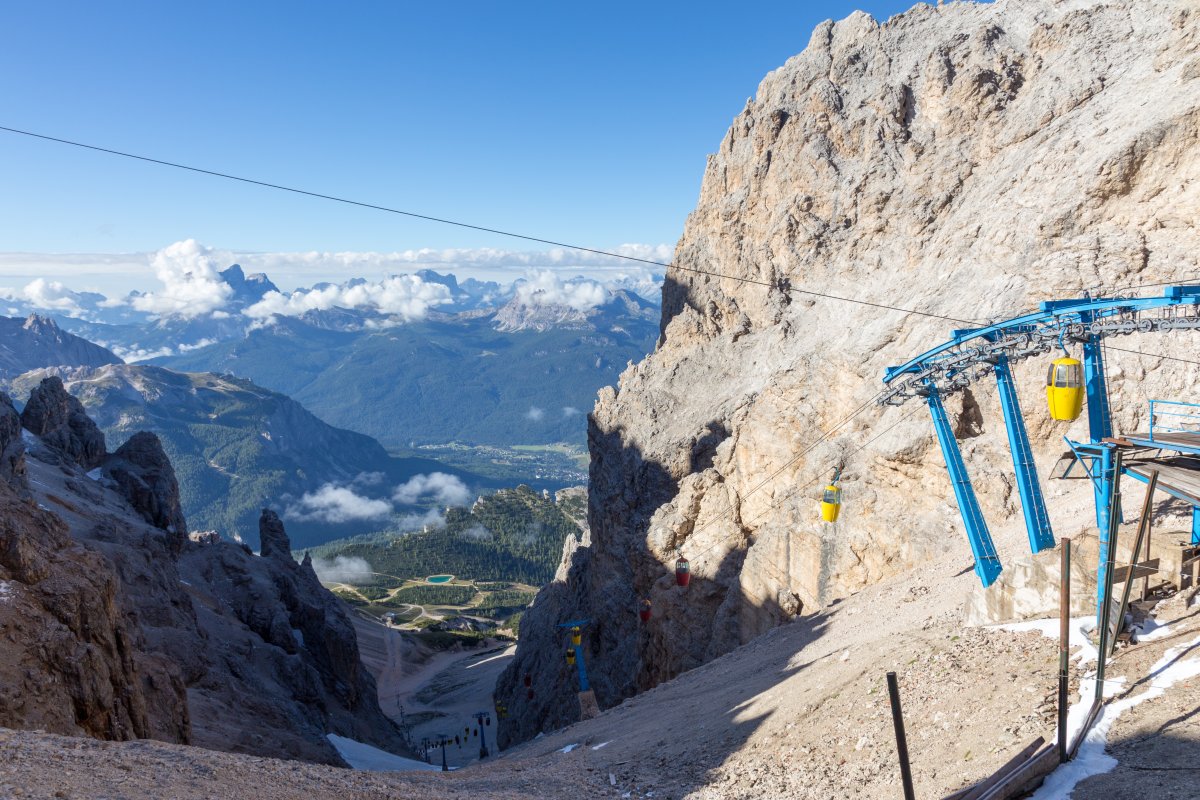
816,482
741,498
467,225
1152,355
824,437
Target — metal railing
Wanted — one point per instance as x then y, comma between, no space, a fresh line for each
1179,418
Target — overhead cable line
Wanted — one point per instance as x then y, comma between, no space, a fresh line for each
822,438
1152,355
460,224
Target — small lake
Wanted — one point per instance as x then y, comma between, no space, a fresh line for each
439,579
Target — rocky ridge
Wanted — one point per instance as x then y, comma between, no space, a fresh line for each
965,160
37,341
117,625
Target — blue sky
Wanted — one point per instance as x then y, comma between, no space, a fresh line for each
586,123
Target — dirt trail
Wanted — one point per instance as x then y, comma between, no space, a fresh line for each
438,692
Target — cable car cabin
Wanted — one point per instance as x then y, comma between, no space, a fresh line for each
683,572
1064,389
570,657
576,636
831,503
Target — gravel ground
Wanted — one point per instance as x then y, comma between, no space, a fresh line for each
801,712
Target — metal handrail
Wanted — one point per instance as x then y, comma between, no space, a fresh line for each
1154,415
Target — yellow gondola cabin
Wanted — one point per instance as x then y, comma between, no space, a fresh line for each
831,502
1064,389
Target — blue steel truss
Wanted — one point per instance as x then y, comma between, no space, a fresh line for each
972,353
1037,519
987,563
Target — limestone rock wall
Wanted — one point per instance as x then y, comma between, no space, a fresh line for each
965,160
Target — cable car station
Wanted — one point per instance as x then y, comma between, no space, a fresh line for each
1171,446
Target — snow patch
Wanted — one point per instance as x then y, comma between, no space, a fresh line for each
365,757
1092,759
298,635
602,744
94,474
569,748
6,592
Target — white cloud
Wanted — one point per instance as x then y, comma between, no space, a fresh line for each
402,297
192,286
410,522
184,348
444,489
570,411
132,355
482,258
342,569
546,288
332,503
368,479
115,274
476,533
534,413
42,293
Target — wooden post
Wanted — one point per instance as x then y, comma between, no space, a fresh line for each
901,740
1064,646
1142,531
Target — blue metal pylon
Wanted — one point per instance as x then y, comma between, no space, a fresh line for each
1196,525
1033,505
987,563
1099,413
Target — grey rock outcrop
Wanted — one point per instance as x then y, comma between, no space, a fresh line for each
144,476
272,537
116,626
74,660
59,419
304,677
964,160
12,447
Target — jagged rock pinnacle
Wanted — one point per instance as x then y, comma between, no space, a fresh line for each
272,536
144,475
60,420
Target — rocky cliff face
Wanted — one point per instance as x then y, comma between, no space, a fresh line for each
963,160
117,625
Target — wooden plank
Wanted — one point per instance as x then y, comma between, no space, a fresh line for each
1025,777
1143,570
978,790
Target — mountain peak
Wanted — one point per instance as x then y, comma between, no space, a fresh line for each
39,324
247,289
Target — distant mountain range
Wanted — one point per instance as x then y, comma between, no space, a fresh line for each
38,342
520,374
481,363
238,447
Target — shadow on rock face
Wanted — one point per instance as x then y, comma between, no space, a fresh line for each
604,582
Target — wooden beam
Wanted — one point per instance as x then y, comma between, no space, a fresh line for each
1143,570
976,791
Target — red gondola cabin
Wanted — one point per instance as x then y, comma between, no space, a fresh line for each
683,571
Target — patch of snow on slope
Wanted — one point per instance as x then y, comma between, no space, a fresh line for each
1092,758
365,757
